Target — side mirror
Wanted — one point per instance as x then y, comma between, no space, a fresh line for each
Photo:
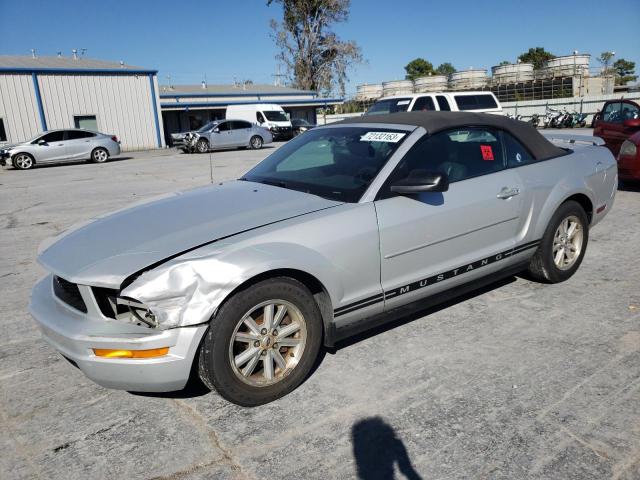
420,181
632,123
42,142
216,130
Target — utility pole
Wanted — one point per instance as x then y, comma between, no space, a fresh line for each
277,76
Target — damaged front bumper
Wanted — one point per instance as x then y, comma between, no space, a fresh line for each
76,335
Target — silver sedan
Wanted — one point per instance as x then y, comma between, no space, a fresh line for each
222,134
61,146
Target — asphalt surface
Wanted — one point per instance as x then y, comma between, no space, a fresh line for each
519,380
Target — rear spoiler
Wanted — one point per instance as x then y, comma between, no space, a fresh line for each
570,138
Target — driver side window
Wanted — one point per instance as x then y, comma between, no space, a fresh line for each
224,126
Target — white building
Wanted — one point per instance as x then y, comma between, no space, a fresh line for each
47,93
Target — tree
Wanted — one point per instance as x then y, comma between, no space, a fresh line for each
315,57
625,70
504,62
538,56
418,68
605,59
445,69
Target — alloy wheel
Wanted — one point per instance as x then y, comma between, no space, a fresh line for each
23,161
100,156
567,242
267,343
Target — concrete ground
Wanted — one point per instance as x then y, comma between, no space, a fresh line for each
519,380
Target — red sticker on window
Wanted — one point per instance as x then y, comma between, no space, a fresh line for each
487,152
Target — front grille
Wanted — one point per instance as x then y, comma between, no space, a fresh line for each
69,293
106,300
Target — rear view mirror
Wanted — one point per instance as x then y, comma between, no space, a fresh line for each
420,181
632,123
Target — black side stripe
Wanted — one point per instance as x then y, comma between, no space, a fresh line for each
432,280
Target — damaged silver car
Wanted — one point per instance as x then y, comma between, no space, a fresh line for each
222,134
332,234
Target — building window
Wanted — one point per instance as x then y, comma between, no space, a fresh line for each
88,122
3,132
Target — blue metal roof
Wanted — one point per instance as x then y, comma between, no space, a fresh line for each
315,101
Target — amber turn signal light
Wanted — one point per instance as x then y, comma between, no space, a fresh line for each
108,353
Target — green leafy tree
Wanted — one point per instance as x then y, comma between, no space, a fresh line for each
445,69
605,59
418,68
504,62
538,56
624,70
315,57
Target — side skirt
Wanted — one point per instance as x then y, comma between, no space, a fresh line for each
334,334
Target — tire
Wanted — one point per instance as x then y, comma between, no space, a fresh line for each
256,142
245,381
23,161
99,155
202,146
543,265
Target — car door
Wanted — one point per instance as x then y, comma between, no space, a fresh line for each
222,138
78,143
423,104
610,126
241,132
433,241
50,147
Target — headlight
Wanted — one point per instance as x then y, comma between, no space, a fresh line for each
136,312
628,149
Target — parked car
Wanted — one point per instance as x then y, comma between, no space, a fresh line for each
485,102
326,237
617,121
61,146
222,134
301,125
267,115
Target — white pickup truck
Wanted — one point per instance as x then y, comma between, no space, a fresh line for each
477,102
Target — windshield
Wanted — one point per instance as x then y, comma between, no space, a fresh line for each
275,116
207,127
392,105
337,163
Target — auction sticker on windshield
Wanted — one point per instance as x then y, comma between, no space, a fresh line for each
391,137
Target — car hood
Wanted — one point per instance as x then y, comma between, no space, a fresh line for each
109,249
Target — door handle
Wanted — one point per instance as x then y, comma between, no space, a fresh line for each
507,193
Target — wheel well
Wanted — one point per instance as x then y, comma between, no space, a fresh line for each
24,153
584,202
317,289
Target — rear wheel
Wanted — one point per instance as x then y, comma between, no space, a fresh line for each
262,343
99,155
256,142
202,146
23,161
563,245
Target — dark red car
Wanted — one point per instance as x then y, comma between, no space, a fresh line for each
619,126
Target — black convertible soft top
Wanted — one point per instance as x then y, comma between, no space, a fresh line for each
433,122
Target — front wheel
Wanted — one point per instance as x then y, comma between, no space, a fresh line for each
563,245
256,142
99,155
202,146
262,343
23,161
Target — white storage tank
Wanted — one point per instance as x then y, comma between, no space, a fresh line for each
397,87
512,73
566,66
431,83
468,79
369,91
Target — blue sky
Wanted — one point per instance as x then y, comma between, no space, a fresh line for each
230,38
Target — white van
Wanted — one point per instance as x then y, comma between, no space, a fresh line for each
267,115
480,102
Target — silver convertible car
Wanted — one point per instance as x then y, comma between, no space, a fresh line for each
61,146
339,230
222,134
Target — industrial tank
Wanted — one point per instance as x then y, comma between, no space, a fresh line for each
512,73
397,87
369,91
468,79
566,66
431,83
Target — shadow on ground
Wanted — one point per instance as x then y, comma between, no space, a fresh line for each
377,449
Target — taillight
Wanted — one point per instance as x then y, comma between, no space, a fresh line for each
628,149
115,139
